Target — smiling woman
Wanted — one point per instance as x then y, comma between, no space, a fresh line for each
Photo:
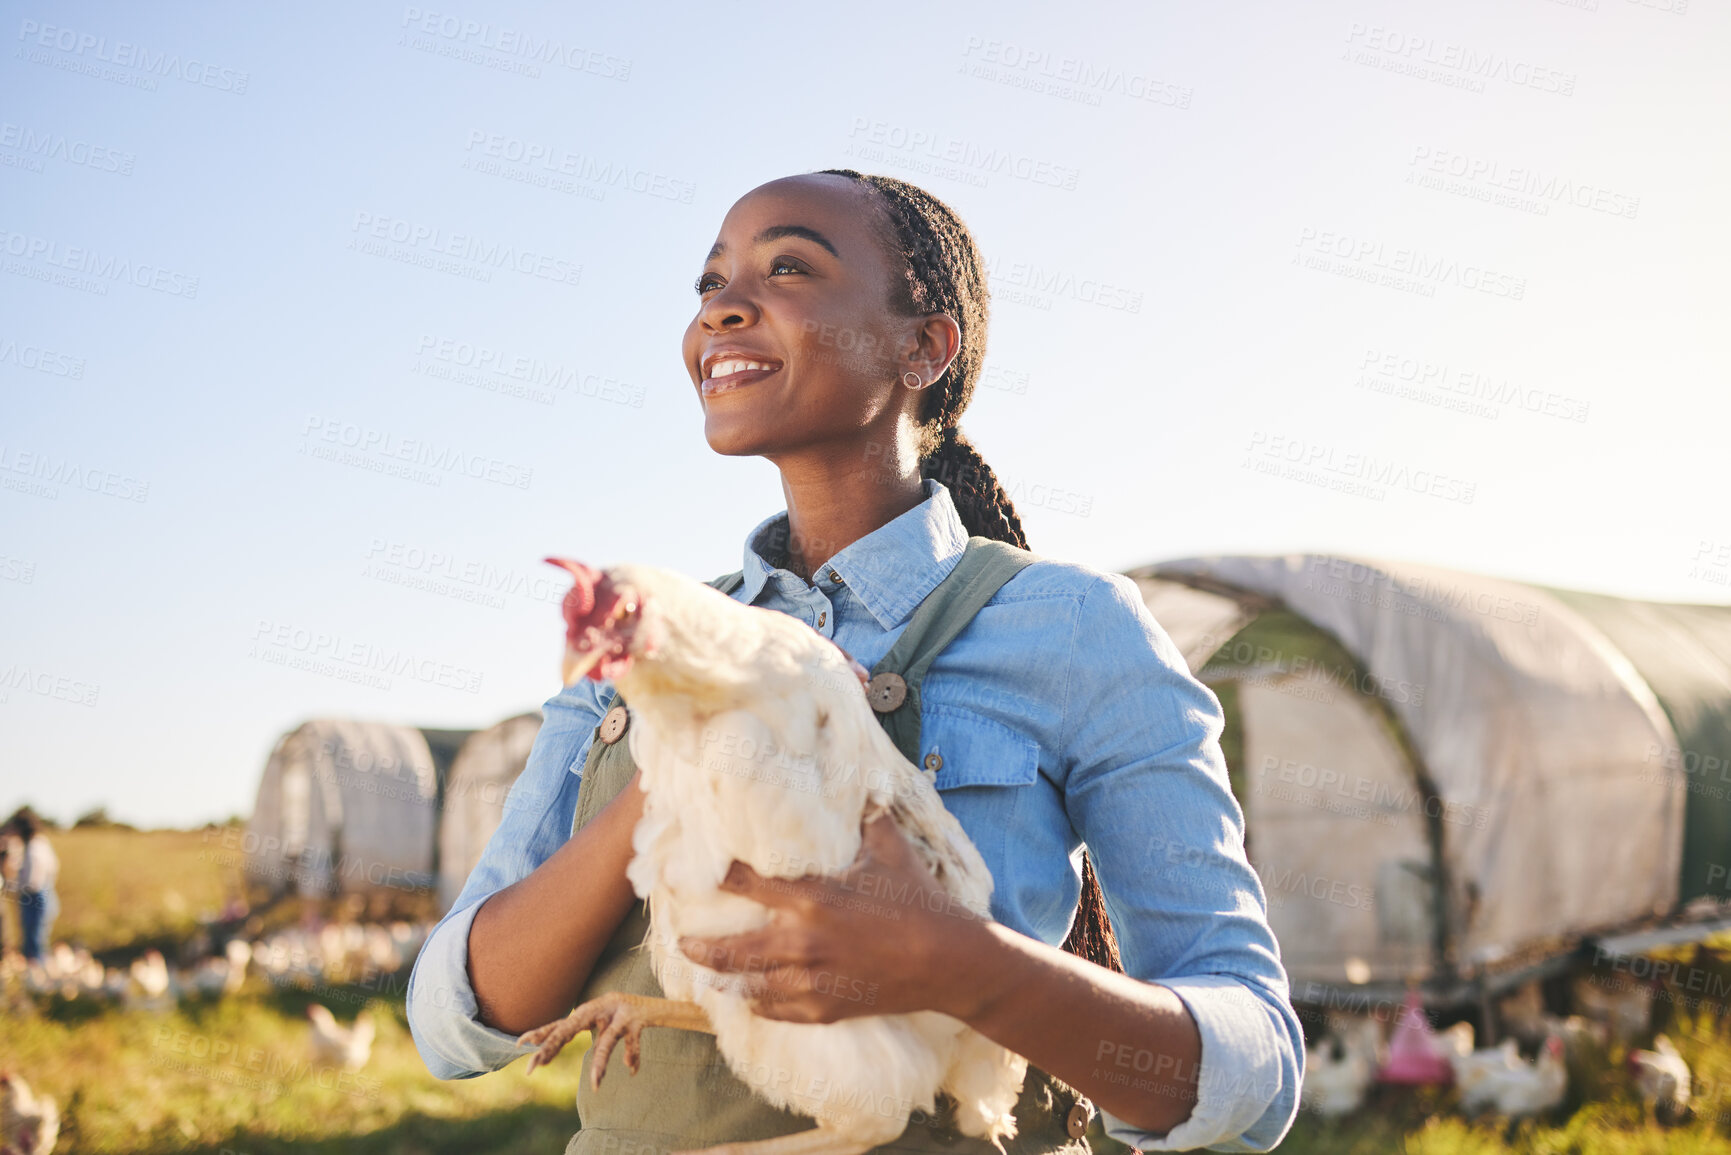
839,334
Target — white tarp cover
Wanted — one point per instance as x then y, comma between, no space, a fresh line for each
351,801
1335,827
475,792
1535,730
1198,622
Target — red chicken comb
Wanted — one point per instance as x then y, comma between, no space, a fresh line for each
580,600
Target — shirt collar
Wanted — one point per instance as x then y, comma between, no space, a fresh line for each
890,570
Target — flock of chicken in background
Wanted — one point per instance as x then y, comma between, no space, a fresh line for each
336,953
1353,1055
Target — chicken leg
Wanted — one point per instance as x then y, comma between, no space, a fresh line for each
612,1017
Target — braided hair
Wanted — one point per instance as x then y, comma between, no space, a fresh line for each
944,273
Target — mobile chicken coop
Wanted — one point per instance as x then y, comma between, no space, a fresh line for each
346,807
1459,781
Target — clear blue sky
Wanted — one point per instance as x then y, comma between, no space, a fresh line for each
1472,249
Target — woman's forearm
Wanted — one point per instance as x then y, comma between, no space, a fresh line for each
1130,1046
533,944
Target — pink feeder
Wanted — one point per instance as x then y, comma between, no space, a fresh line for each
1415,1055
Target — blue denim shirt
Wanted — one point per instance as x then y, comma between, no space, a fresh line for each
1064,714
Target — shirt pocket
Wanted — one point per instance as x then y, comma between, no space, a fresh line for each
964,748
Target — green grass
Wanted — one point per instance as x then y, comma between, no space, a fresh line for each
234,1074
231,1075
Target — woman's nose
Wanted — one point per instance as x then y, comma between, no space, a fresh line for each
728,308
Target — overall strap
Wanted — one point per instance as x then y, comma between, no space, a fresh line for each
980,573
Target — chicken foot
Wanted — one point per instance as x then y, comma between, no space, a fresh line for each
820,1140
612,1017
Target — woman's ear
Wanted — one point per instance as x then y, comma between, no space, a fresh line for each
932,343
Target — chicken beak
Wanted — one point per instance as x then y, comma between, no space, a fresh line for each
577,664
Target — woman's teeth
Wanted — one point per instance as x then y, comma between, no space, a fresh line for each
725,368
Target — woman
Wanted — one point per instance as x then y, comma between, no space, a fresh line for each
38,869
840,332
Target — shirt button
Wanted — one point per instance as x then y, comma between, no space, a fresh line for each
821,618
1077,1123
934,761
613,725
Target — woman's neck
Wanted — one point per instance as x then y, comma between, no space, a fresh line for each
828,509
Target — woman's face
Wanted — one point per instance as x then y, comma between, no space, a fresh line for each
795,344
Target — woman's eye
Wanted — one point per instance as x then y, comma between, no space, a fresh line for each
780,264
706,282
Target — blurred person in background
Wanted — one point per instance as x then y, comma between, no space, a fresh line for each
11,850
38,868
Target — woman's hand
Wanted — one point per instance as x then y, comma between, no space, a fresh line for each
883,938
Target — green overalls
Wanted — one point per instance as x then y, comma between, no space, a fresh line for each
684,1096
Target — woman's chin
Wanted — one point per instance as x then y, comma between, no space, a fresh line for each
732,442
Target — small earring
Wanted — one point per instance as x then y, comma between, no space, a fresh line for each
916,383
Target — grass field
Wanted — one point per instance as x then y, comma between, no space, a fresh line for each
222,1076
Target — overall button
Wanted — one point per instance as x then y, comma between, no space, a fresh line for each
886,691
1077,1123
821,618
613,725
934,761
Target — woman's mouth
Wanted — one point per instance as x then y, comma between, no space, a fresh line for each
734,372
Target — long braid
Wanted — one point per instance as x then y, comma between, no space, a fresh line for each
945,274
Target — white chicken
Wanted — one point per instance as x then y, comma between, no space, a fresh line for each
704,675
29,1123
335,1045
1342,1066
152,987
1662,1080
1498,1079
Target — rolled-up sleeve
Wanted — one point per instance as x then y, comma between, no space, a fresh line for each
1147,791
442,1012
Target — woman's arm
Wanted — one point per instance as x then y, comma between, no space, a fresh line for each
537,892
533,944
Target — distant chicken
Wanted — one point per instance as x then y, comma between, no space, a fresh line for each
1341,1068
152,987
1662,1080
338,1046
29,1123
704,674
1498,1079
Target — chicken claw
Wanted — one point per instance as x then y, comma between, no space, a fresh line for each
612,1017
